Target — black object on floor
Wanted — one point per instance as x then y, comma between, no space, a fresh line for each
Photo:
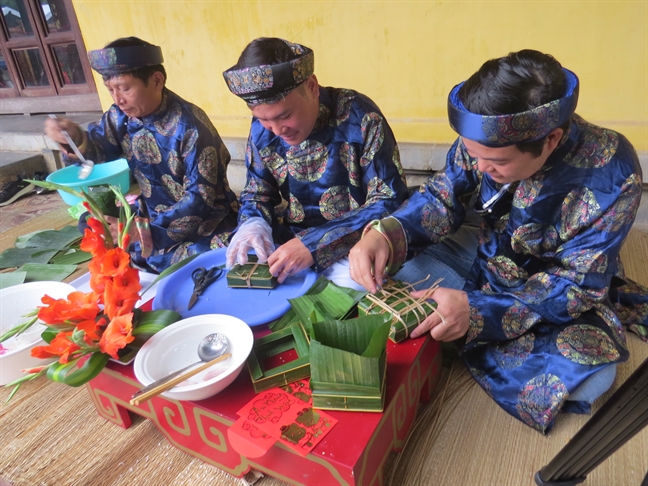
14,190
40,176
616,422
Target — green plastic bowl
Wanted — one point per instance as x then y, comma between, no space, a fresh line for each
115,173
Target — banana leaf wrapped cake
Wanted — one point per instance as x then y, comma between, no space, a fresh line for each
252,275
398,307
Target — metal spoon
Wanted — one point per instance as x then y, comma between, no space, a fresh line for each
210,347
86,164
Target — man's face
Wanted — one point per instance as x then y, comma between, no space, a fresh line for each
294,117
508,164
135,98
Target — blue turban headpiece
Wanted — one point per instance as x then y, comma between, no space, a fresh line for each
113,61
505,130
270,83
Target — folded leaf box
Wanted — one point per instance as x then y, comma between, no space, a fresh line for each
292,339
252,275
348,364
397,307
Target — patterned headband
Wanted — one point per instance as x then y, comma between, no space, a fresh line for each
270,83
113,61
505,130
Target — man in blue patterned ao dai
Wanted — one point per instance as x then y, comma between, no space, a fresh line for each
537,291
328,153
173,151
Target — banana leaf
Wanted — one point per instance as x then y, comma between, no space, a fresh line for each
72,375
149,322
294,338
16,257
348,363
36,272
332,303
52,239
22,240
73,256
12,278
324,300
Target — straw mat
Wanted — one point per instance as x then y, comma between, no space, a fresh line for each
50,435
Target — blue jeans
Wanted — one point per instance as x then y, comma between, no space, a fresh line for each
451,259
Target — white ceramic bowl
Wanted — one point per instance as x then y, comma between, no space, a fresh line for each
176,346
15,302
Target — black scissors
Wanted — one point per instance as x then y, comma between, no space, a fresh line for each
202,278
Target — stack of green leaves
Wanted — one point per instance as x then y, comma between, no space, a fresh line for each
348,361
324,300
47,255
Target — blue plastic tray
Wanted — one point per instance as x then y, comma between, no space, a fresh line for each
254,306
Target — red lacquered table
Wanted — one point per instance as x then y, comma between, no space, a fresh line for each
354,451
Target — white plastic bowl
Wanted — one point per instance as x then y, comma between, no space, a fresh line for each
16,302
176,346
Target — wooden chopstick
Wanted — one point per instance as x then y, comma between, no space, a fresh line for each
178,379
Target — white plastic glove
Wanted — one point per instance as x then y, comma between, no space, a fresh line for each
255,234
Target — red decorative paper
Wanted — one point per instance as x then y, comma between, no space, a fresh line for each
308,429
286,414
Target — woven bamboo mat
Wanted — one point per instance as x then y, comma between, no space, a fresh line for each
50,435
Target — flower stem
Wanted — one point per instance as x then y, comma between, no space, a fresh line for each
17,330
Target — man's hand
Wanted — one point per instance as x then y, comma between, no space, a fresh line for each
255,234
368,260
54,129
453,306
289,258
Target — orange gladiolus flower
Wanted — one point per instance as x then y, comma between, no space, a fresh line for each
96,226
78,306
60,346
128,281
118,300
93,243
125,242
117,335
91,328
97,280
114,262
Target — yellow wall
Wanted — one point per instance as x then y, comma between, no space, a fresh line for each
405,55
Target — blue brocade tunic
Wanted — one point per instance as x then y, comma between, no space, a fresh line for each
180,164
345,174
547,292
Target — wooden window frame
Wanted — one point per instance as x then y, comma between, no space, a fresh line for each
45,41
